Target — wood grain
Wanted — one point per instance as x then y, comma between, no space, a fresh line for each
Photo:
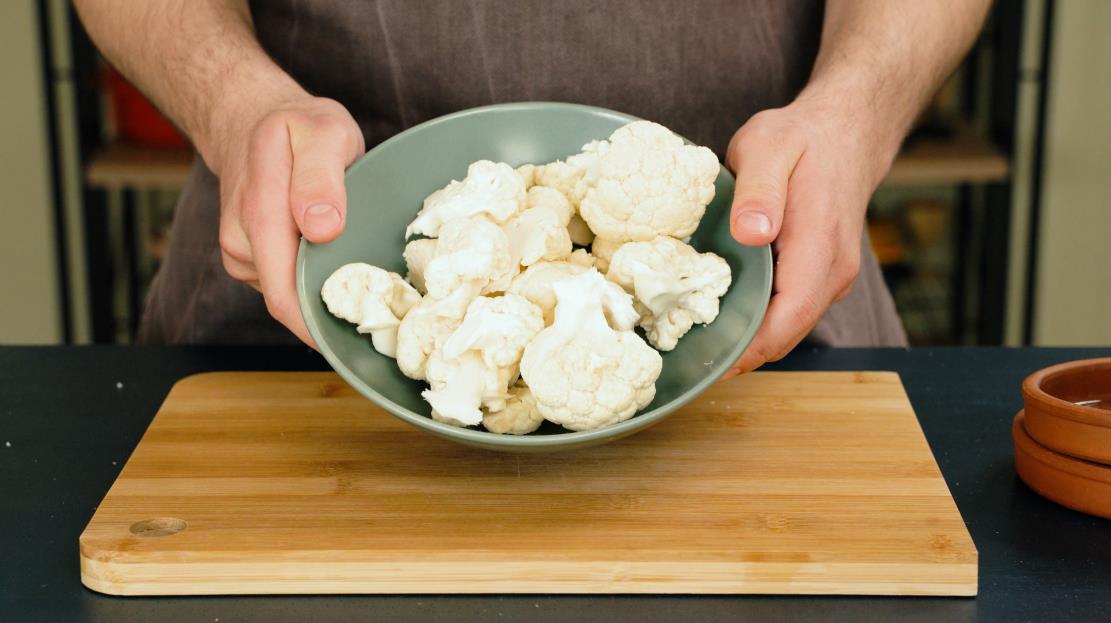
815,483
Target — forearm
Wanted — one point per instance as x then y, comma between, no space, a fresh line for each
883,59
197,60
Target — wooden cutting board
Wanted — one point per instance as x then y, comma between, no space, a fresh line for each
293,483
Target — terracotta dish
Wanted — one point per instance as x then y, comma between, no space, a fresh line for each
1075,483
1068,408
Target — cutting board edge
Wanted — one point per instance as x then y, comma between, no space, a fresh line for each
110,578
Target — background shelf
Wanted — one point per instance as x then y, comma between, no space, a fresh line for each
963,157
120,166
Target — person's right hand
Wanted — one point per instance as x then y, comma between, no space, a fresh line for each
281,177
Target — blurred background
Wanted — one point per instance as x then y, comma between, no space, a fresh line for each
994,226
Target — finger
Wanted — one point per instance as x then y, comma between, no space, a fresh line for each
730,373
763,162
270,227
778,335
801,298
802,281
237,269
322,149
233,241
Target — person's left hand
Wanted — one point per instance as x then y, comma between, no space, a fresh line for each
805,174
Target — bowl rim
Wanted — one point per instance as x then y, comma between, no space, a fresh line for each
1036,398
482,437
1056,461
1059,478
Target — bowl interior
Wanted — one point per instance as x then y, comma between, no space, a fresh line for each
1085,386
385,189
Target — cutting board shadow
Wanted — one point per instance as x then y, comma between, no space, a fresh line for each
774,482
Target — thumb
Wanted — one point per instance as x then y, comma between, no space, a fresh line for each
317,196
763,167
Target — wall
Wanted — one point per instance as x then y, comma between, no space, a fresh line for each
30,312
1073,281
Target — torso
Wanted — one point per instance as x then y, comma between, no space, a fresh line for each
700,67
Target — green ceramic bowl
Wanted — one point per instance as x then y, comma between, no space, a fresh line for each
384,191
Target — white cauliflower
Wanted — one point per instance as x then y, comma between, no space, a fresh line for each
582,257
570,178
527,172
520,415
418,253
427,326
556,341
550,200
479,359
674,285
566,177
460,386
644,182
603,249
492,189
374,299
584,373
540,231
470,252
535,284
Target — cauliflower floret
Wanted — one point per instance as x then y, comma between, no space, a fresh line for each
540,231
527,173
491,189
573,176
470,251
567,181
674,285
374,299
479,359
459,386
418,253
535,284
582,257
520,415
583,373
646,182
427,326
550,200
498,328
603,249
565,177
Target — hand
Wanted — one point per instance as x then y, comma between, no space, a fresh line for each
804,174
281,173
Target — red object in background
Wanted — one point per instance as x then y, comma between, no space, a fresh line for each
137,121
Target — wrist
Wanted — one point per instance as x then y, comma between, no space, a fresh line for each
249,93
868,126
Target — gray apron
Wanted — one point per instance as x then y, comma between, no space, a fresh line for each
700,67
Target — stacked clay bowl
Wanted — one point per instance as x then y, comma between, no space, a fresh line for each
1063,435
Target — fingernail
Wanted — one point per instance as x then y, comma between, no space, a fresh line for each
753,222
321,220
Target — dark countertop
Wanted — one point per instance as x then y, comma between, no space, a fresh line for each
73,415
